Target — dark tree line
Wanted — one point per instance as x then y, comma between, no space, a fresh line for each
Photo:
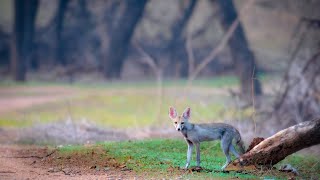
62,7
23,33
122,18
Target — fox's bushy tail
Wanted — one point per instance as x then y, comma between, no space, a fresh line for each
240,143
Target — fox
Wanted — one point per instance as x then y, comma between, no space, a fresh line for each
196,133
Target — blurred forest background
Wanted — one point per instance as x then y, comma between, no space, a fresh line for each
85,85
121,64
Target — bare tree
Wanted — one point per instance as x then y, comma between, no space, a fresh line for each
120,35
194,69
62,7
175,48
242,56
300,97
22,43
4,47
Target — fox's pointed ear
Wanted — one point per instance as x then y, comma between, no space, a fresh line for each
186,113
172,113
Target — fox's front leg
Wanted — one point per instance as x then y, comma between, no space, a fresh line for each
198,153
189,153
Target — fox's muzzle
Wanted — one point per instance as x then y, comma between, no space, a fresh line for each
179,127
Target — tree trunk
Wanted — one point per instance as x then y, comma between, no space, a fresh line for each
120,36
300,96
22,46
177,53
4,48
62,6
242,56
275,148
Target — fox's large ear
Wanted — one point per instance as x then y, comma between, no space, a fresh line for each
186,113
172,113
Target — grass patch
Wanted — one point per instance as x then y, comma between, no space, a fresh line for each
119,110
116,104
162,157
13,123
222,81
307,166
120,104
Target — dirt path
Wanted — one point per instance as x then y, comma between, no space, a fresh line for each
32,162
27,162
16,98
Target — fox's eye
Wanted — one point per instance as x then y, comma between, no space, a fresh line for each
175,122
182,122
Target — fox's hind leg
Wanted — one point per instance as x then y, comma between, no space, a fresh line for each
198,153
234,151
225,145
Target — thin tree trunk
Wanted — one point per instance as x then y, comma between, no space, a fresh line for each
120,36
275,148
62,7
4,48
22,46
17,62
242,56
175,48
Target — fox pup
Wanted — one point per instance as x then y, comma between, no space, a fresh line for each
196,133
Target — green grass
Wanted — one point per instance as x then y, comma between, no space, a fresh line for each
122,104
222,81
163,157
7,122
118,110
117,104
307,166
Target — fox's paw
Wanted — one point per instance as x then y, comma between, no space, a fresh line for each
224,167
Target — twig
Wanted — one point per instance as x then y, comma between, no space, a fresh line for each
158,73
190,53
38,157
66,172
6,172
215,51
303,32
52,152
22,157
253,100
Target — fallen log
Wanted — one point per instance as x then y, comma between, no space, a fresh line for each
275,148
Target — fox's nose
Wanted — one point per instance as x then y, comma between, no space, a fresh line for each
178,129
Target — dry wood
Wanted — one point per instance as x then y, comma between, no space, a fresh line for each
275,148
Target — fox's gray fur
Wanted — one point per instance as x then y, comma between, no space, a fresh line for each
196,133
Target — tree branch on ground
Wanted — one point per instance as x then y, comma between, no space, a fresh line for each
277,147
